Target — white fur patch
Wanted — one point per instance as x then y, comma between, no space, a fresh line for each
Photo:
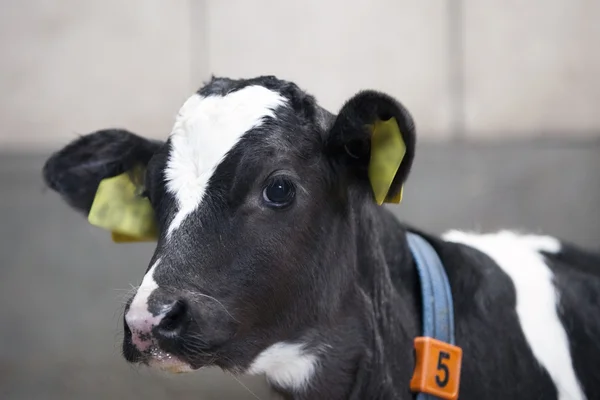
286,365
205,130
519,258
138,310
546,244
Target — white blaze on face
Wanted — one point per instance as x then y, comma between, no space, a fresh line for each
138,317
205,130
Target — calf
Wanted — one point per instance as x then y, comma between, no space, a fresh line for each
274,258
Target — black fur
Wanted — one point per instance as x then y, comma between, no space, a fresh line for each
333,268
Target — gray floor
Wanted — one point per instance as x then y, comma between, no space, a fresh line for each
62,281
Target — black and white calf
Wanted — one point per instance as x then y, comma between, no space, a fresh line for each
273,258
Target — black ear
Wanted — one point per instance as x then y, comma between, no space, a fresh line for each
76,171
349,138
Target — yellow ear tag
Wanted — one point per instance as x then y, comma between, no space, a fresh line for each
387,151
118,208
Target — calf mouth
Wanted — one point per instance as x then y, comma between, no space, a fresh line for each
182,356
167,362
155,357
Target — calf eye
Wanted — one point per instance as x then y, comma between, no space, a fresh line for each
279,192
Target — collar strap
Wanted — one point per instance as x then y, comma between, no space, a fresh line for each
438,360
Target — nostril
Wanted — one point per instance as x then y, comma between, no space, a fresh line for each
173,322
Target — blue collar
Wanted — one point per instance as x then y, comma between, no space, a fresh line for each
438,313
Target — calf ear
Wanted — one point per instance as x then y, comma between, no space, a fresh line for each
350,140
76,171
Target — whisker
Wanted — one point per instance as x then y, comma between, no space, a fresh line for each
125,294
195,346
194,352
195,336
245,387
198,344
216,300
131,288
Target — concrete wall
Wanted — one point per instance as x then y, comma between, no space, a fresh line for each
337,47
475,69
532,67
69,67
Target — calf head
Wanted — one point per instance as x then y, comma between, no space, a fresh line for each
254,192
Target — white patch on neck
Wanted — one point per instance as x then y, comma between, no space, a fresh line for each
519,258
286,365
138,310
205,130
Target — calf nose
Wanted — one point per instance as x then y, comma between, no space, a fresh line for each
145,328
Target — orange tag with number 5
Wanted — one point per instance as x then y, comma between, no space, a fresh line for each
437,371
